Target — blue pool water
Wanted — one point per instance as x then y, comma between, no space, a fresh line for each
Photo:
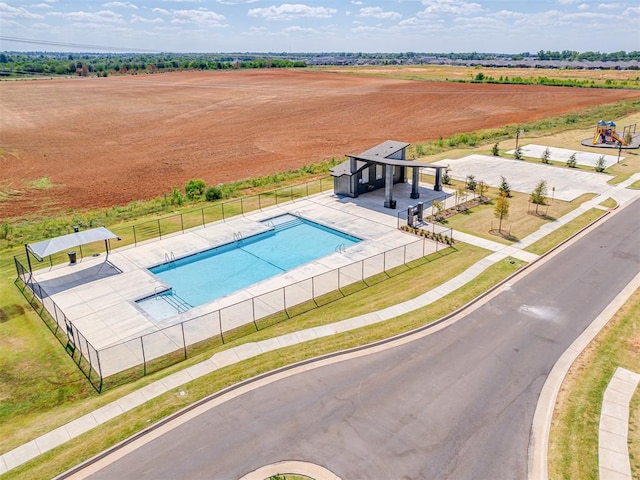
201,278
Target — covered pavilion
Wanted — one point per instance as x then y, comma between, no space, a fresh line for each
381,167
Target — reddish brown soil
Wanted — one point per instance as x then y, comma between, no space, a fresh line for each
107,141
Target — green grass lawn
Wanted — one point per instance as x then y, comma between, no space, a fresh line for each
573,444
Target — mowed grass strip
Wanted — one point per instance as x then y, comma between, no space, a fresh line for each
561,234
108,434
573,443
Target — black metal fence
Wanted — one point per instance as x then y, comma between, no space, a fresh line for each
141,355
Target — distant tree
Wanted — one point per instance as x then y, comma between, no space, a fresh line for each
213,193
601,164
176,198
501,210
539,194
572,162
504,187
546,155
194,188
495,151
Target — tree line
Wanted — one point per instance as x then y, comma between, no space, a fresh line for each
16,64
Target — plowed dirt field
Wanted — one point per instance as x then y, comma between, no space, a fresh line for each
98,142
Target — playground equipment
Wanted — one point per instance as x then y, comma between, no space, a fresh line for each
606,133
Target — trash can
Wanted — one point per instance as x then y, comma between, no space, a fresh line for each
72,257
392,204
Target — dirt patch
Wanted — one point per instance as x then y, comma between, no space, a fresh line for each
107,141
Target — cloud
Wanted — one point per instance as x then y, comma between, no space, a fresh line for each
567,2
377,12
199,17
236,2
120,4
40,5
98,18
449,7
8,11
631,11
583,6
610,6
139,19
161,11
288,11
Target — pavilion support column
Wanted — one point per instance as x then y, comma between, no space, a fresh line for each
438,183
388,187
353,178
414,182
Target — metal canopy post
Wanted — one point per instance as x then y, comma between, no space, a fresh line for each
388,187
414,182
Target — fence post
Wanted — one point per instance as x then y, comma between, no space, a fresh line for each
135,238
202,213
253,312
184,341
182,223
159,230
220,325
144,360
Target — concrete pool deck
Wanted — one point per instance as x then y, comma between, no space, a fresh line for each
100,300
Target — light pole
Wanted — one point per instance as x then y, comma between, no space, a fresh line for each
619,151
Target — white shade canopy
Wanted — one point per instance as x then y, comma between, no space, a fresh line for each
53,245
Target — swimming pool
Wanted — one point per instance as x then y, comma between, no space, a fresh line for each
198,279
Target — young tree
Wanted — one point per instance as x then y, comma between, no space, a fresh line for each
461,195
517,153
471,183
546,155
495,151
504,187
539,194
501,210
437,208
446,178
601,165
572,162
481,189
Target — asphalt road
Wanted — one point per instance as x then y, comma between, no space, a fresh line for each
457,404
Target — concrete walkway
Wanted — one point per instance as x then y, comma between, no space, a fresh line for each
613,451
59,436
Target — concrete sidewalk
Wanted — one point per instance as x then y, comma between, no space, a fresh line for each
613,451
59,436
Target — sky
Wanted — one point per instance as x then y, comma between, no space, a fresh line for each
438,26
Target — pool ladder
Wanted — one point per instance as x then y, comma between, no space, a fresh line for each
237,236
341,248
172,298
